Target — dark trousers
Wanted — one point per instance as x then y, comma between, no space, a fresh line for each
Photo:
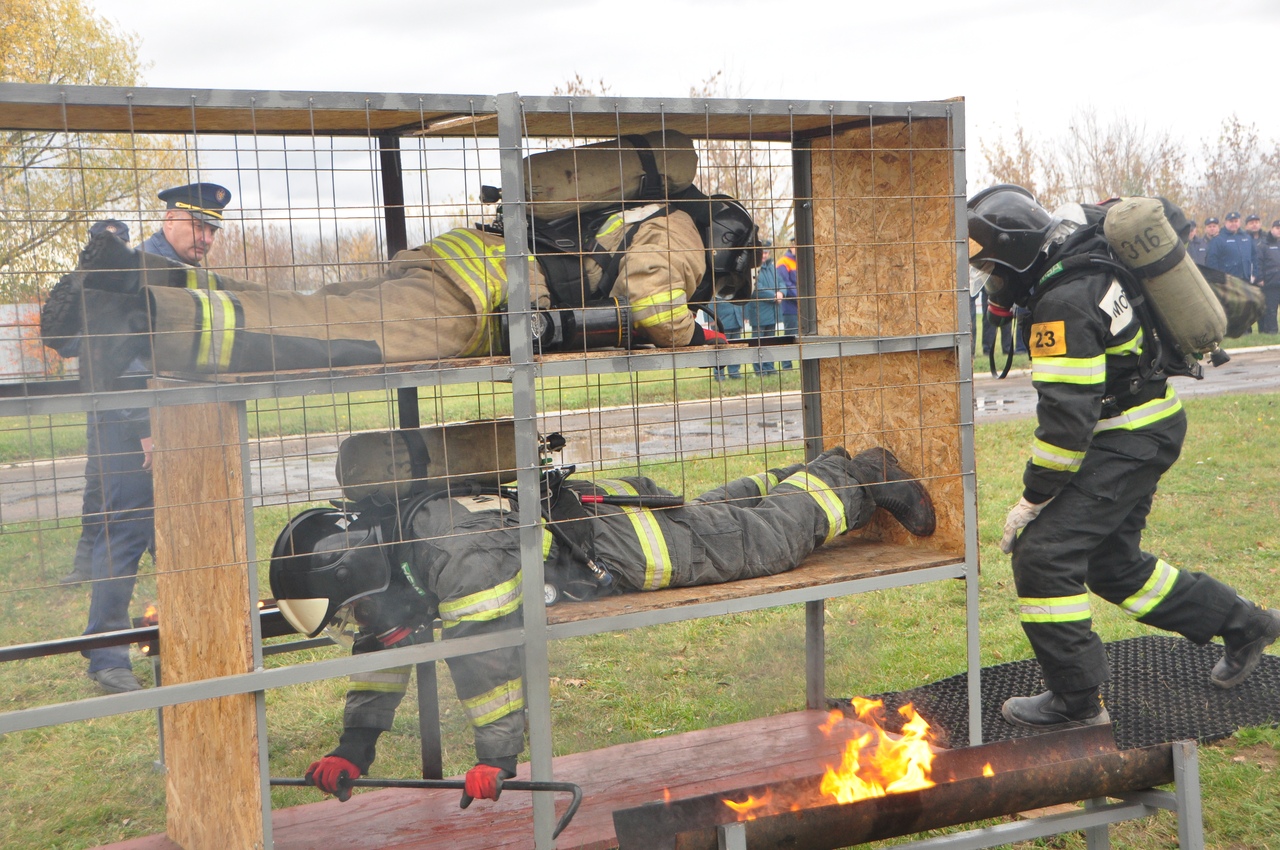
91,501
1267,324
1090,537
128,530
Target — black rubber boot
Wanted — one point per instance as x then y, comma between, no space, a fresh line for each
896,490
62,316
1048,711
112,266
117,331
1249,630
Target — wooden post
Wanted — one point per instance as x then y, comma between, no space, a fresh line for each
215,793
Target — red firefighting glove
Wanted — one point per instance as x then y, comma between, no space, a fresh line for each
333,775
483,782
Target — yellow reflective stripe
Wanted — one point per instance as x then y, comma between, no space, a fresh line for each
217,314
202,279
1133,346
507,698
657,558
1153,592
665,317
392,681
482,606
765,481
1054,609
1054,457
611,224
1069,370
474,261
1144,414
546,541
653,301
826,498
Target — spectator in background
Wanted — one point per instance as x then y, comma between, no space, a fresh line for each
123,437
1269,277
766,308
1198,246
1211,228
728,315
1231,251
789,317
1253,226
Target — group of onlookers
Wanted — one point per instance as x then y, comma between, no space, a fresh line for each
770,312
1245,252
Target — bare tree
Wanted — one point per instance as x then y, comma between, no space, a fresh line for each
283,259
1239,173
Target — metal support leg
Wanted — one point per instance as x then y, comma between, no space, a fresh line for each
1186,777
1097,837
731,836
158,764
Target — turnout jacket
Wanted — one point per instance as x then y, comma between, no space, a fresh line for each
1086,344
437,300
464,565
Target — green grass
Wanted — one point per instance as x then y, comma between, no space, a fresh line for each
83,784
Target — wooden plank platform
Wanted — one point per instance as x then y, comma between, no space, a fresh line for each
771,749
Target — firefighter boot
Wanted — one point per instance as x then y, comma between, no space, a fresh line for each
894,489
62,315
1049,711
112,266
116,332
1249,630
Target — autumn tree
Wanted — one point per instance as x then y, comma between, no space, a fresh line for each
1241,172
53,184
281,258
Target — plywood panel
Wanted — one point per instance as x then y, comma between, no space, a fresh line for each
214,790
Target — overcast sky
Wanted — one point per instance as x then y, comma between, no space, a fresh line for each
1173,65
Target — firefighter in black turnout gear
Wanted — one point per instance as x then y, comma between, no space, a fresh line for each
458,559
1108,426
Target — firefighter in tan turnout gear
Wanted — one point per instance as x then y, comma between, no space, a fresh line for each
461,562
1109,425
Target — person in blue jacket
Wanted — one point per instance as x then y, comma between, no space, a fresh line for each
1231,251
767,306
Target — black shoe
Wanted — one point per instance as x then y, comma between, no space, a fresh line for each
81,573
116,680
110,265
896,490
1248,632
1048,712
62,315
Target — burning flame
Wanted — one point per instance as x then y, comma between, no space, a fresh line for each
987,770
875,764
150,616
747,809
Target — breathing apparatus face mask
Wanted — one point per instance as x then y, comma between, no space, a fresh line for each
388,616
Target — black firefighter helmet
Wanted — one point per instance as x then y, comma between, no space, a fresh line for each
323,565
1007,230
734,248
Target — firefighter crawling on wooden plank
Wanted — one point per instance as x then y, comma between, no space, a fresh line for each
458,560
606,273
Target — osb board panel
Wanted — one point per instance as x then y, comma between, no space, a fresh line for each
908,402
204,608
844,559
884,230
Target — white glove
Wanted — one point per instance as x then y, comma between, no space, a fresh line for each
1020,516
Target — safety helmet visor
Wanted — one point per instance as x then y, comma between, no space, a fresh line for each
986,275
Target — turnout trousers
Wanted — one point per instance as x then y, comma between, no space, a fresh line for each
1089,539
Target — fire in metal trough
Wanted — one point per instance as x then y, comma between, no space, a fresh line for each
1023,774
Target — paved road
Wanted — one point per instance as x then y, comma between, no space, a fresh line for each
298,469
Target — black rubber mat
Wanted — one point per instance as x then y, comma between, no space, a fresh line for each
1159,692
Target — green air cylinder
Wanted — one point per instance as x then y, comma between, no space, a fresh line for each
397,464
591,177
1143,239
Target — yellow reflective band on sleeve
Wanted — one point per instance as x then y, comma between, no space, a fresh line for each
1053,457
507,698
826,497
1143,415
1153,592
611,224
765,481
202,279
482,606
481,267
1055,609
657,558
1069,370
652,302
392,681
1133,346
217,317
547,538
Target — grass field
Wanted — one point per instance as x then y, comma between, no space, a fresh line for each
84,784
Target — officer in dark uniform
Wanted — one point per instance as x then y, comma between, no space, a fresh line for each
122,441
462,564
1108,427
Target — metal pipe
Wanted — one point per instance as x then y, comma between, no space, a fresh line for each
1029,773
